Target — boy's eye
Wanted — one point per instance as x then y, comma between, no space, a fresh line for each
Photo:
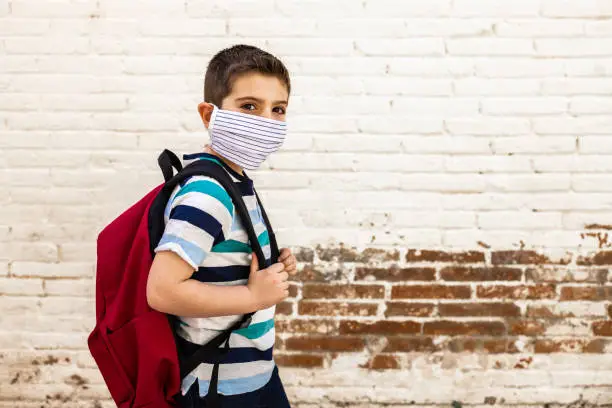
280,110
248,106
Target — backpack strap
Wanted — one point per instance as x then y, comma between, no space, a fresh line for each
273,244
166,161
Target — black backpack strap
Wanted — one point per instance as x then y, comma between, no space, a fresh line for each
273,244
166,161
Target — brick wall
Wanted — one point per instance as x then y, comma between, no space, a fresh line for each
445,184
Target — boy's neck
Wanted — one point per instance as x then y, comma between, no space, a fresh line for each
230,163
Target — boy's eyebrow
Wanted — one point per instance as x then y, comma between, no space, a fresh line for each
252,98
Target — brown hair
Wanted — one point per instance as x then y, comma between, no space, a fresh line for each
231,62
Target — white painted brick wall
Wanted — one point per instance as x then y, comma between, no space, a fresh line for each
427,123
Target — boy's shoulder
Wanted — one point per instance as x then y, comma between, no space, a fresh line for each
202,191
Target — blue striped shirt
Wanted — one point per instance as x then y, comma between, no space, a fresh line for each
204,229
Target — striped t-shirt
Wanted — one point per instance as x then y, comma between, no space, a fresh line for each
204,229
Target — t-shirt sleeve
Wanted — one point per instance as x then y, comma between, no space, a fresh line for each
200,216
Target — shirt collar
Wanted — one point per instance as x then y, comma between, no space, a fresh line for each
190,158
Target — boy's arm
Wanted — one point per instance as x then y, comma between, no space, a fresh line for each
169,289
200,214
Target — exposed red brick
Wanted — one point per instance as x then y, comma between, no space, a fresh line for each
312,273
461,273
602,328
593,293
338,254
284,308
49,360
596,346
460,344
410,344
325,291
547,312
512,348
299,360
344,254
279,343
483,245
568,346
446,327
318,326
304,254
430,292
495,345
379,327
598,258
409,309
545,346
415,255
471,344
523,257
293,291
541,291
317,308
526,328
548,274
479,309
598,226
542,311
324,343
601,237
395,274
382,362
378,255
523,363
545,279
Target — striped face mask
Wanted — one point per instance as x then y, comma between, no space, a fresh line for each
247,140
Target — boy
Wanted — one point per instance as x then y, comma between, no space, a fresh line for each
203,271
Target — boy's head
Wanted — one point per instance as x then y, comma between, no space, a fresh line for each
246,79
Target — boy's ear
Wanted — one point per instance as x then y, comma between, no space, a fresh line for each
205,109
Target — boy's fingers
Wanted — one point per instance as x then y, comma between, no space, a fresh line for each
284,254
277,268
287,258
254,263
291,267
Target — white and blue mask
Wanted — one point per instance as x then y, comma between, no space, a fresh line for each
246,140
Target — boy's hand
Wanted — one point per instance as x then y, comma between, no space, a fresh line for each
268,286
288,259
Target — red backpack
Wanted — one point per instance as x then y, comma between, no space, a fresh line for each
133,345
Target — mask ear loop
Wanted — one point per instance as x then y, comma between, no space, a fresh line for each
211,124
213,115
